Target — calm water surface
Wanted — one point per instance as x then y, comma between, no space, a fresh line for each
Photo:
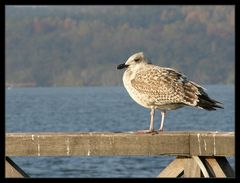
84,109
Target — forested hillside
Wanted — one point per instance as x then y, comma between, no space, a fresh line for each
82,45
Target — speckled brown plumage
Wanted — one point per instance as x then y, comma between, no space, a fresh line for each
162,88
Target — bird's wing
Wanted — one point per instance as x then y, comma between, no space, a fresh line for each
166,86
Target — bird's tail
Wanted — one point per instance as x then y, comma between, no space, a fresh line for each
207,103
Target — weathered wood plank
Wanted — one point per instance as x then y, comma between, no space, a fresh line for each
12,170
214,167
115,144
174,169
95,144
191,168
225,166
201,166
212,144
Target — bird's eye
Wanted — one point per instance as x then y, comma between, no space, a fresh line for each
137,59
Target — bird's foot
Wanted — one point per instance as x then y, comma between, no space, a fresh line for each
160,130
146,131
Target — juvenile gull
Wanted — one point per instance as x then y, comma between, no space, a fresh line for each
162,88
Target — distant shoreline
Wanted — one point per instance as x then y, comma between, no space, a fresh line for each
32,85
10,85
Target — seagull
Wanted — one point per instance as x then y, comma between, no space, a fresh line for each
162,88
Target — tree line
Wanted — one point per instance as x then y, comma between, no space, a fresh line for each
82,45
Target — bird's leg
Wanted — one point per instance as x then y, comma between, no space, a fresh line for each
151,128
163,113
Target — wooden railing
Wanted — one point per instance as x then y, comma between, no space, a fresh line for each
198,154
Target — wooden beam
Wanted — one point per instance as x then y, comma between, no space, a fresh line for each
213,167
12,170
118,144
191,168
201,166
225,166
212,144
174,169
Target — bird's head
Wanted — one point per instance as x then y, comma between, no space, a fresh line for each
135,59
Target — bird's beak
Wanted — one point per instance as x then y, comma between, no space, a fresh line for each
121,66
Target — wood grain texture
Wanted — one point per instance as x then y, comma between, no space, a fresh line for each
13,170
191,168
212,144
174,169
120,144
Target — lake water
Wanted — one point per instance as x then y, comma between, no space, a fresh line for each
81,109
